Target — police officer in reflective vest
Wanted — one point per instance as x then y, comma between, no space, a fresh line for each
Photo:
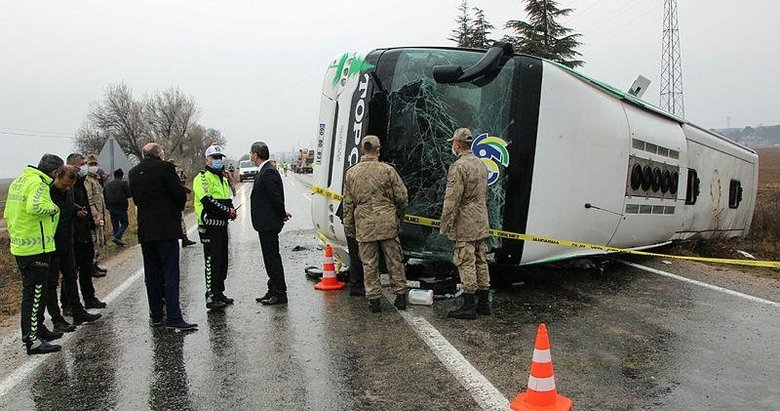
213,208
32,219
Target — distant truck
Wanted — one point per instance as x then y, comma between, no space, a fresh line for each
303,163
246,170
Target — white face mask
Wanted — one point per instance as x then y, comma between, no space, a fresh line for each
93,169
83,170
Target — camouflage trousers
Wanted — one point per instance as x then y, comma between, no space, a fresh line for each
369,253
98,240
469,257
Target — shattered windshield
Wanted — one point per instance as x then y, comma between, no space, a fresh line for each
422,115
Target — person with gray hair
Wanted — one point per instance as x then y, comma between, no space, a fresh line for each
160,199
32,219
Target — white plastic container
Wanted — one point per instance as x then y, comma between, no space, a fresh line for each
421,297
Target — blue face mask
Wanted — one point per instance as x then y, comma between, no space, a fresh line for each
217,164
83,170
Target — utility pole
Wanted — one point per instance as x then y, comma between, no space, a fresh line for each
671,62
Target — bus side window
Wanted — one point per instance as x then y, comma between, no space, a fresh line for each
735,193
692,192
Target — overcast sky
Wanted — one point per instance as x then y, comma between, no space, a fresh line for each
256,68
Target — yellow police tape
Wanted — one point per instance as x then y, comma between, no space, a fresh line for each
430,222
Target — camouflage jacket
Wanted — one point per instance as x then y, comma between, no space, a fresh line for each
97,204
465,216
375,199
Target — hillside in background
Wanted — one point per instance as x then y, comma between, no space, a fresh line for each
761,136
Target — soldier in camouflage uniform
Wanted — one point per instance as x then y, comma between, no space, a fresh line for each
464,219
374,202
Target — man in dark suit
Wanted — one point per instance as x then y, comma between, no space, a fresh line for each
160,198
268,217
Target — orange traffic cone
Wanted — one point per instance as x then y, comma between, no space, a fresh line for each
541,394
329,281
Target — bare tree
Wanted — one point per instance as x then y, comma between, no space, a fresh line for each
171,115
122,117
89,139
168,117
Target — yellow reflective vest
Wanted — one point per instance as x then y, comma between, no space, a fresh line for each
211,198
30,213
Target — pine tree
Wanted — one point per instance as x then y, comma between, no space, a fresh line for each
463,32
481,30
543,36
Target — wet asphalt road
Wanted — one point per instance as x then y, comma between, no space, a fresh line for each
624,339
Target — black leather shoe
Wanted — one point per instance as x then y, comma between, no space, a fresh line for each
47,335
275,300
187,242
225,299
63,326
98,274
267,296
182,326
41,347
215,304
100,269
81,316
94,303
357,292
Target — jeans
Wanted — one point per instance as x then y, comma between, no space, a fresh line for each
118,221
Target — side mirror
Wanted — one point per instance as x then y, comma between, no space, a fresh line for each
447,74
490,62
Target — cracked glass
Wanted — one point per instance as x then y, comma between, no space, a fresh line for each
421,116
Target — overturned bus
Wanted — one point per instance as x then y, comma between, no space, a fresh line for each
568,157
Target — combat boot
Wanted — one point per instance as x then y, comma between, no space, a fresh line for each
468,311
483,302
400,301
374,305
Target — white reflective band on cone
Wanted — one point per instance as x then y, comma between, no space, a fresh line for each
542,356
541,384
328,260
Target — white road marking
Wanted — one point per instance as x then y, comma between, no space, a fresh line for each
703,284
484,393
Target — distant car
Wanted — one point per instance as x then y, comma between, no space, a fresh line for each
246,170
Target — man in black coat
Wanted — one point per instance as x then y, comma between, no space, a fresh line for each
83,248
64,260
160,199
268,217
116,193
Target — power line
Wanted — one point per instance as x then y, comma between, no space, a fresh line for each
579,14
36,132
606,34
619,12
8,133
